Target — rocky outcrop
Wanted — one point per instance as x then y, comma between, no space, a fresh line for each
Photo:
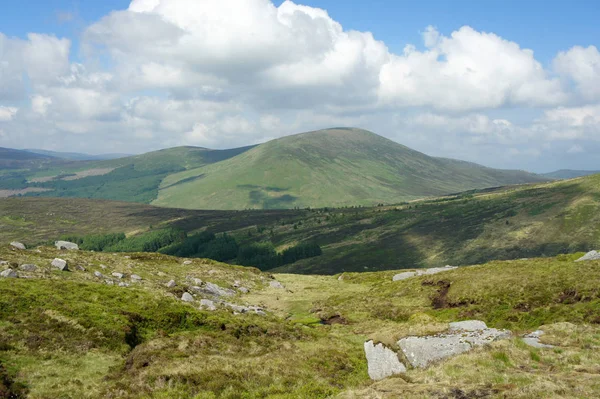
533,340
592,255
382,362
422,272
17,245
71,246
461,337
9,273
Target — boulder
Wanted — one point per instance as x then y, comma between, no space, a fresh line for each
382,362
197,281
187,262
28,268
208,304
277,285
187,297
98,274
533,340
171,284
135,277
123,284
17,245
462,337
60,264
118,275
80,268
9,273
4,263
214,290
592,255
403,276
71,246
243,290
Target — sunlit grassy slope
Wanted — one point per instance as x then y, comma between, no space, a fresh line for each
69,335
334,167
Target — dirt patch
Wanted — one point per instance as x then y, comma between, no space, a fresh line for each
23,191
456,393
569,296
336,319
440,299
89,173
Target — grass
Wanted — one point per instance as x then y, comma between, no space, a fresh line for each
70,335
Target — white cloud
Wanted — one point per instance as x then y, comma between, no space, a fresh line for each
575,149
7,113
40,104
582,66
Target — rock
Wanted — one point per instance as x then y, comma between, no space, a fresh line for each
260,312
98,274
71,246
103,267
382,362
243,290
4,263
215,290
187,297
463,336
9,273
237,283
28,268
135,277
171,284
197,281
468,325
277,285
80,268
187,262
17,245
118,275
403,276
60,264
237,308
109,282
592,255
161,274
123,284
208,304
533,340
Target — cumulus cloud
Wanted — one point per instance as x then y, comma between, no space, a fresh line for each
582,66
7,113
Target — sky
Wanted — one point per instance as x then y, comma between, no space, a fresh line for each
507,84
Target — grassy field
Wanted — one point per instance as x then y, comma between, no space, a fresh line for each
334,167
69,335
511,223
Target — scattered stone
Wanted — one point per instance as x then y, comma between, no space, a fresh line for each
237,308
187,297
211,272
18,245
103,267
28,268
127,257
135,277
592,255
237,283
277,285
161,274
80,268
215,290
4,263
403,276
243,290
118,275
187,262
197,281
260,312
382,362
533,339
341,277
463,336
109,282
98,274
71,246
9,273
123,284
171,284
60,264
208,304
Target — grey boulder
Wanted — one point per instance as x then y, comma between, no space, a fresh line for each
462,337
403,276
135,277
9,273
208,304
171,284
592,255
18,245
98,274
71,246
382,362
60,264
214,290
243,290
118,275
422,272
533,340
187,297
28,268
277,285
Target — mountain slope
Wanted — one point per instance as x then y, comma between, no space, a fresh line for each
76,156
570,174
334,167
18,159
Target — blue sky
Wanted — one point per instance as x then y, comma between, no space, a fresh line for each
449,78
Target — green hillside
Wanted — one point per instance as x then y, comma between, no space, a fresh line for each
89,333
473,227
334,167
570,174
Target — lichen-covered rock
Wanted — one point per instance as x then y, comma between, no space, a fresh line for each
118,275
17,245
71,246
98,274
382,362
592,255
243,290
462,337
422,272
533,339
213,290
208,304
135,277
187,297
171,284
28,268
9,273
187,262
277,285
60,264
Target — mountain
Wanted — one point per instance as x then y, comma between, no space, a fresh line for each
18,159
569,174
75,156
333,167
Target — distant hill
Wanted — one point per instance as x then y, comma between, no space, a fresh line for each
333,167
75,156
570,174
18,159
